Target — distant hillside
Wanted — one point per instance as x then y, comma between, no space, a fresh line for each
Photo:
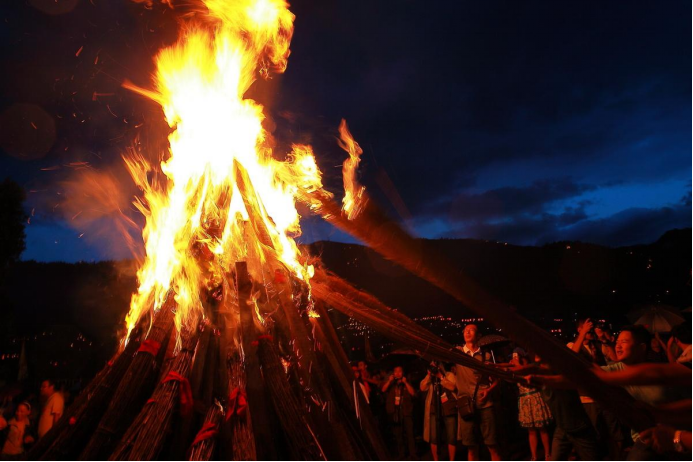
541,282
558,278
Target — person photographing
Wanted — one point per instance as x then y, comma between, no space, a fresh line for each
399,407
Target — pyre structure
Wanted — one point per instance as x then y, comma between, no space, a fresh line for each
230,352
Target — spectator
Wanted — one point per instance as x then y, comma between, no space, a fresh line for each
18,431
361,384
657,353
399,408
366,377
52,408
681,337
606,340
478,388
588,345
573,426
533,413
631,349
440,388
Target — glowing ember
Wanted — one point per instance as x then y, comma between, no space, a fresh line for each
224,197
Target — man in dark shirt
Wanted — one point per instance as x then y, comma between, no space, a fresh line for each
399,407
573,426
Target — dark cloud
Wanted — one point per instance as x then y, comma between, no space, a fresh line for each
509,202
631,226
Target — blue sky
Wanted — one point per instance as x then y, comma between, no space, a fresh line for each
526,122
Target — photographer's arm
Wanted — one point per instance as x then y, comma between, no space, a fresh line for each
448,381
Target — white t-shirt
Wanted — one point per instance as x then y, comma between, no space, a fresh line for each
54,407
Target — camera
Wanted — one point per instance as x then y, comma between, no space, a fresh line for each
434,368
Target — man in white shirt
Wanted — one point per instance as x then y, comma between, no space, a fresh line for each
52,409
478,387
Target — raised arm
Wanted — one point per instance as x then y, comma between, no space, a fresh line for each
584,329
387,384
408,386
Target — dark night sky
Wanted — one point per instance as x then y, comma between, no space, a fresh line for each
525,122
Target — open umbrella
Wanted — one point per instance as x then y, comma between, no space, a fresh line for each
492,339
658,318
406,357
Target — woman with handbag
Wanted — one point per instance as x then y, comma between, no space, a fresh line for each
441,409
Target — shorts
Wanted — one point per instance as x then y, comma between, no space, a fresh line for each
448,425
481,428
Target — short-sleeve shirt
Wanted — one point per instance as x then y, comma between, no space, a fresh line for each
650,394
467,378
55,406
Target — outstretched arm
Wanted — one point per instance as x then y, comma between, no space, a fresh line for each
676,375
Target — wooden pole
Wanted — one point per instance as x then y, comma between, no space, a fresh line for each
386,237
134,388
339,364
312,368
263,423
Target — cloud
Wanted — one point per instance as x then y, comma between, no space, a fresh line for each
512,201
631,226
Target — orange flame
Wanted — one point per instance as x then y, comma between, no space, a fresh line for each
354,197
220,174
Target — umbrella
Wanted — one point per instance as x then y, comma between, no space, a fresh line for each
408,358
658,318
492,339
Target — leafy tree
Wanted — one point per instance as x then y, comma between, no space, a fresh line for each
12,220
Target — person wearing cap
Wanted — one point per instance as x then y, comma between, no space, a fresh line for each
18,431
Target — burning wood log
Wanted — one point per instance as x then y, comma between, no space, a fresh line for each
339,365
301,437
383,320
260,416
134,388
203,445
386,237
312,370
237,441
145,437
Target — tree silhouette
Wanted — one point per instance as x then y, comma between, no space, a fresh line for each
12,220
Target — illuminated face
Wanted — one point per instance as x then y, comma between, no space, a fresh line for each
398,372
47,389
22,411
471,333
362,365
627,350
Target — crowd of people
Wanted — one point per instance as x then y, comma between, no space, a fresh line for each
454,411
24,422
462,413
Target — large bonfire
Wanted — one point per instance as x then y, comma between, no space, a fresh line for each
229,351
